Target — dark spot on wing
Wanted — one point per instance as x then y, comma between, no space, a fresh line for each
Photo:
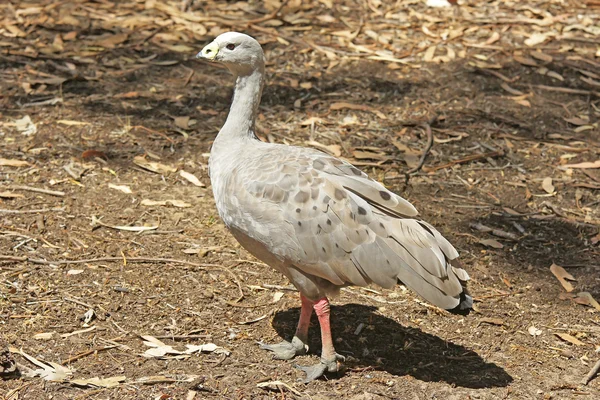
385,195
318,164
356,171
328,222
340,194
301,197
298,210
362,211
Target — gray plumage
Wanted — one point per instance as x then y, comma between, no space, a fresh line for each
319,220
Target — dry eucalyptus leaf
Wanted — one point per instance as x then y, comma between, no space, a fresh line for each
96,222
25,125
13,163
277,296
491,243
333,149
369,155
206,348
48,370
191,178
568,338
74,271
311,121
122,188
547,185
533,331
584,165
98,382
44,335
492,321
153,166
359,107
589,298
562,276
71,123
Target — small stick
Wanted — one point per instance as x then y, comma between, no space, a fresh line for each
279,287
41,210
87,353
182,337
425,152
38,190
472,157
591,374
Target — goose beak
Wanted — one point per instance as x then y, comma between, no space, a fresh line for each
209,52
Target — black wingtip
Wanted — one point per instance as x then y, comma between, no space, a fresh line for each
465,306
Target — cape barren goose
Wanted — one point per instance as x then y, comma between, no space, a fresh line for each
318,220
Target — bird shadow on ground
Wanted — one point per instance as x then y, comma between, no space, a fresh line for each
386,345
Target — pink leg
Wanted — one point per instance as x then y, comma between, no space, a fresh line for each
329,358
304,321
322,309
288,350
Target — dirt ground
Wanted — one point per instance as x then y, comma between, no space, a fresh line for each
102,106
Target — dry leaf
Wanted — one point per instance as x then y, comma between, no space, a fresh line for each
589,298
533,331
562,276
568,338
491,243
369,155
333,149
24,125
191,178
311,121
10,195
547,185
584,165
577,121
74,271
429,54
112,41
86,155
206,348
101,383
121,188
97,222
359,107
541,56
537,38
153,166
277,296
184,122
530,62
174,203
44,335
492,321
13,163
49,371
71,123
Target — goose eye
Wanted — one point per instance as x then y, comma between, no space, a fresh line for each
230,46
